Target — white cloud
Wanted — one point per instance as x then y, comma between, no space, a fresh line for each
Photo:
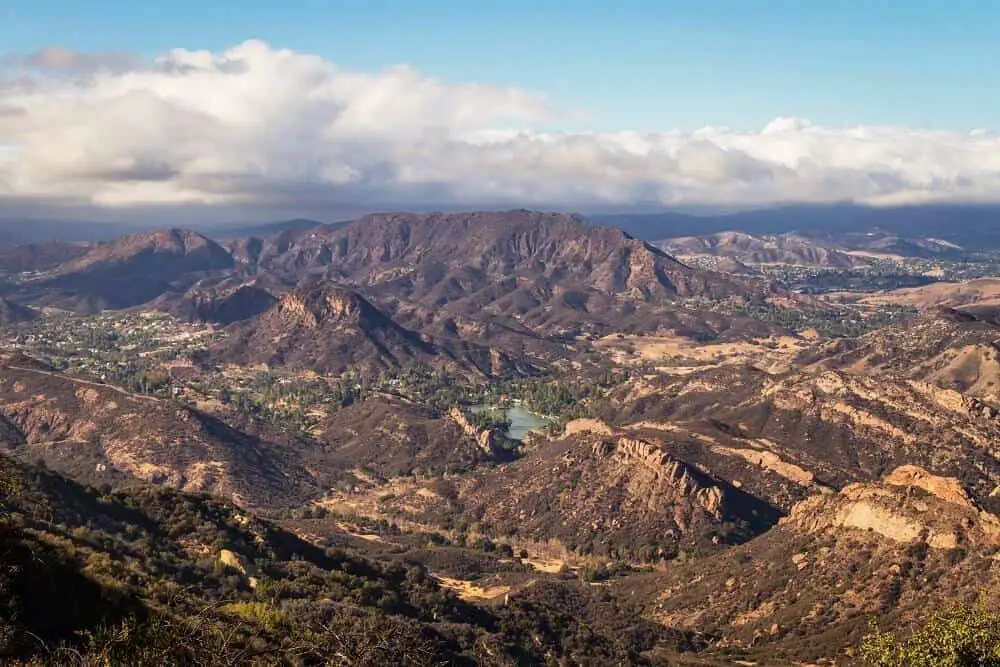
257,125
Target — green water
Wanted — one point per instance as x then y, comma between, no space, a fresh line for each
522,420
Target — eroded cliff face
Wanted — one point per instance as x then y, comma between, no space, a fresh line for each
485,437
584,495
758,466
947,489
310,308
908,505
588,488
663,480
890,549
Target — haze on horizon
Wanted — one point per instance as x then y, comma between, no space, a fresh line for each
259,109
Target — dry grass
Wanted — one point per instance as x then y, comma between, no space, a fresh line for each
470,590
683,355
547,565
982,292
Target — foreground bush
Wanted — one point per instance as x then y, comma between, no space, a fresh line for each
964,636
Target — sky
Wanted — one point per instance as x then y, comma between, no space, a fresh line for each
308,106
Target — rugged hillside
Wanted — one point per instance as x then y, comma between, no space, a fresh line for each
949,348
771,495
519,274
550,272
130,271
878,242
745,248
588,494
154,577
388,436
101,433
180,249
16,259
438,250
328,328
612,496
222,303
808,589
840,428
983,293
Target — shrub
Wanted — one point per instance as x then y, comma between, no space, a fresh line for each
963,636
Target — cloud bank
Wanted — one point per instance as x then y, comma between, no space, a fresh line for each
260,126
59,59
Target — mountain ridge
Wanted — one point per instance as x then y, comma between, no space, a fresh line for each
331,328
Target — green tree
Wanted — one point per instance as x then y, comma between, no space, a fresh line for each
963,636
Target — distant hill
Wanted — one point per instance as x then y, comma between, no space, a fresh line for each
517,271
746,248
15,259
982,294
219,301
487,294
130,271
972,226
454,254
515,283
966,225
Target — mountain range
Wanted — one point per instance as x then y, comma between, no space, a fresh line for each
297,444
519,281
962,224
972,226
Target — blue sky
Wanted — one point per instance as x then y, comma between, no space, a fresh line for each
631,64
298,107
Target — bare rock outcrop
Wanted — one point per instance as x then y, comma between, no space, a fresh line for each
485,437
586,425
942,513
947,489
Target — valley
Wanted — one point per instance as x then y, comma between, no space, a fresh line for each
498,438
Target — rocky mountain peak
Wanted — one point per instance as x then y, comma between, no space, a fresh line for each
169,253
172,241
325,303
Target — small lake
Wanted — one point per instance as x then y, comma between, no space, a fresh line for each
522,420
